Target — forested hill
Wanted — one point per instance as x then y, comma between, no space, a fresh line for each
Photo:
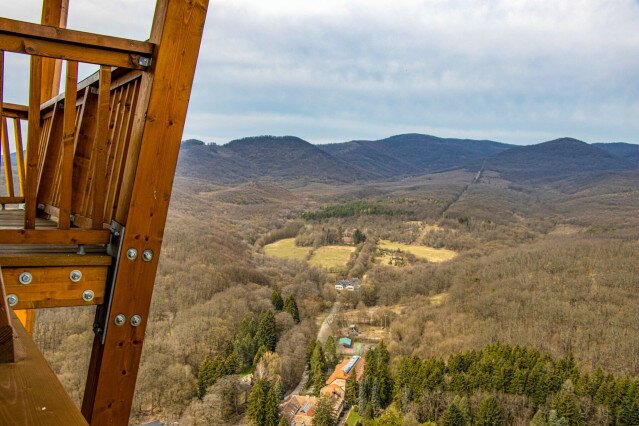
555,160
266,157
412,154
290,158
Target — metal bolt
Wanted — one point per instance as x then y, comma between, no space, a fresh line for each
136,320
12,300
25,278
88,295
75,275
147,255
120,319
144,61
131,254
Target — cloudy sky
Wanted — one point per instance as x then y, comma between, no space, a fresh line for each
335,70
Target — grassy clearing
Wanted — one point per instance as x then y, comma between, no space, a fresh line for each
332,257
352,418
286,249
429,253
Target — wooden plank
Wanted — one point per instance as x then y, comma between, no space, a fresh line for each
54,14
33,140
54,236
6,157
53,259
68,137
11,200
52,287
59,43
99,147
31,392
17,137
114,366
15,111
7,352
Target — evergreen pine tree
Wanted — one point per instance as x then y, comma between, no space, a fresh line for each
266,334
256,404
276,300
351,389
490,413
453,416
628,413
330,352
566,406
324,413
283,422
271,408
290,306
358,237
318,367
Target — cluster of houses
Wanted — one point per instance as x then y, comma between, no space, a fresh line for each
299,409
351,284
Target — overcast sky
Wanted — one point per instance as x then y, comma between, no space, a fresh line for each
329,71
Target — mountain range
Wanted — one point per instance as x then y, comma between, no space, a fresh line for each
291,158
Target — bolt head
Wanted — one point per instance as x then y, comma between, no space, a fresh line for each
131,254
136,320
75,275
120,319
25,278
12,300
147,255
88,295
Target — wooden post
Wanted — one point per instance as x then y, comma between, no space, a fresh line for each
54,14
177,29
68,136
7,350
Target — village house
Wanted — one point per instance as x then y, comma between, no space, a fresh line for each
299,410
350,284
336,384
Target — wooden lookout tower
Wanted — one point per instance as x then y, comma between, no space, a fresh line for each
85,198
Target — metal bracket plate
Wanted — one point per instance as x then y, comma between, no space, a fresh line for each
104,311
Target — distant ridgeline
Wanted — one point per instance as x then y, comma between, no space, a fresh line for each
508,384
289,158
355,208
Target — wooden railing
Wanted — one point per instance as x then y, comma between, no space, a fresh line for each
79,155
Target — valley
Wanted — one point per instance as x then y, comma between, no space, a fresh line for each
521,262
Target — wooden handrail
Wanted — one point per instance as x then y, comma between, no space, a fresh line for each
15,111
61,43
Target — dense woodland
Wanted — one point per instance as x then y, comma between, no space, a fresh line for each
535,318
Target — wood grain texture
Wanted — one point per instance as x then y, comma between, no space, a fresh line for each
113,369
53,259
33,141
52,288
68,137
54,14
31,392
98,155
7,352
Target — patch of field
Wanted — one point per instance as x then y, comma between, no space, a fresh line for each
286,249
565,229
429,253
352,418
332,257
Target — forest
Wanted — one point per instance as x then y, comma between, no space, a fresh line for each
535,319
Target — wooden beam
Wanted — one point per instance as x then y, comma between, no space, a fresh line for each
98,155
114,365
6,157
52,287
15,111
7,350
17,137
53,259
31,392
54,14
68,136
31,187
11,200
54,236
60,43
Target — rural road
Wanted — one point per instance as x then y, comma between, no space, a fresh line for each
322,335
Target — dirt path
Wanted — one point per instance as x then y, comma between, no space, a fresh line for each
322,335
